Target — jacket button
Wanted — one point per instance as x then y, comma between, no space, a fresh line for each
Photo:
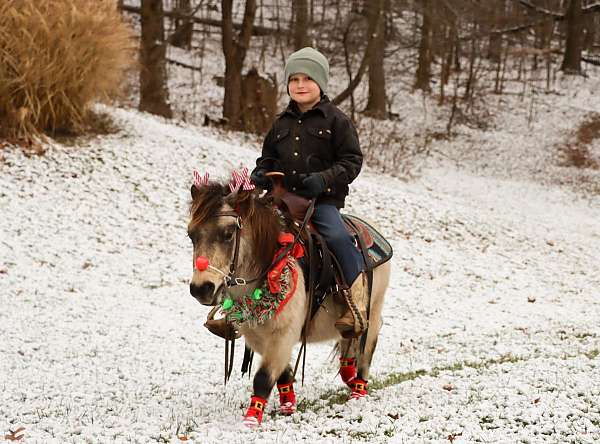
295,153
297,138
300,121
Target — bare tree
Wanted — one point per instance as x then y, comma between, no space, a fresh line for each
377,98
423,76
300,28
234,49
375,6
572,60
154,92
184,27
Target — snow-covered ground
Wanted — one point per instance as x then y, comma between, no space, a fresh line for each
491,321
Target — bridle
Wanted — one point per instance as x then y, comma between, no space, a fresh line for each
231,280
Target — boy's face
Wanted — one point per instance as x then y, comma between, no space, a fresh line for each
304,90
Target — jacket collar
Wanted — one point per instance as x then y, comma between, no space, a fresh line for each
321,107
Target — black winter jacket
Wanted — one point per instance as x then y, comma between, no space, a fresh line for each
322,140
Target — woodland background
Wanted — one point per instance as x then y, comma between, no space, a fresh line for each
61,57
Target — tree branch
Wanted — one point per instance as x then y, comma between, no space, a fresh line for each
256,30
529,5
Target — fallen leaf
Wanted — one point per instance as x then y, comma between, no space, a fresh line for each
453,436
15,436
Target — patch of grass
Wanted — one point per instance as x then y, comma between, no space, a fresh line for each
364,436
593,354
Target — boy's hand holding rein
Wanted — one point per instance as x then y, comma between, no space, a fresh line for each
313,184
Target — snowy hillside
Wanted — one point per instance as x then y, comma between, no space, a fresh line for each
491,322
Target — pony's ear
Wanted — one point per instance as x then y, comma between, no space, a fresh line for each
243,201
194,191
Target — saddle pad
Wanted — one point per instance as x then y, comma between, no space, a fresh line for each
380,251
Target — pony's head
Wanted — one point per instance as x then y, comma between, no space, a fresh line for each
223,222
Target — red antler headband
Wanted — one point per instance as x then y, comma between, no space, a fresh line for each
200,181
240,180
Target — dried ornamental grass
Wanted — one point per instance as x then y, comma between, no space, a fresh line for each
57,57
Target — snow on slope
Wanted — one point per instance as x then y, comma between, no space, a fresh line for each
490,334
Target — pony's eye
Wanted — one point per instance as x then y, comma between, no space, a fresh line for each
228,233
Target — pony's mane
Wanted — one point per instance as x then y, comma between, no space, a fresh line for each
257,213
206,202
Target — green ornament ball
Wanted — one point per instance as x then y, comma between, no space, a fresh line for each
257,294
227,304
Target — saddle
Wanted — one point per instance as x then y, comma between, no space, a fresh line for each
374,247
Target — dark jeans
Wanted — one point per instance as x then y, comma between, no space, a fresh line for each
328,221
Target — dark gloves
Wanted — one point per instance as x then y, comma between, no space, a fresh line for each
313,185
260,179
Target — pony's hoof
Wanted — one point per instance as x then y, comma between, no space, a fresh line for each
287,398
287,409
359,388
254,414
251,422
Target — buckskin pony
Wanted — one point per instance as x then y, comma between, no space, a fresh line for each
236,234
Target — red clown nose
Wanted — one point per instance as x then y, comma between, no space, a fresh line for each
201,263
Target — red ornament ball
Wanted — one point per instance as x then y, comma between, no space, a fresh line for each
201,263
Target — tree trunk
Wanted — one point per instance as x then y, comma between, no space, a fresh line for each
371,26
301,24
259,102
423,76
234,49
376,102
184,27
154,92
572,62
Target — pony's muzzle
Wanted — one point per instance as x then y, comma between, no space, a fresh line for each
204,293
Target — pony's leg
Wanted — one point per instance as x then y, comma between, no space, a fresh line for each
347,360
274,362
287,396
363,364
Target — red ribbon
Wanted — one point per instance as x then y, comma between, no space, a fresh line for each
274,274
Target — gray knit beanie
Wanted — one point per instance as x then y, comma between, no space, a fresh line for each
311,62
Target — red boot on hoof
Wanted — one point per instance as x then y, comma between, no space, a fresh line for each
359,388
287,398
254,414
347,369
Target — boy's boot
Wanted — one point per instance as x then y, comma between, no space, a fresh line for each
220,327
353,322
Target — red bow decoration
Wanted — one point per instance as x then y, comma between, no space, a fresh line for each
274,274
200,181
240,180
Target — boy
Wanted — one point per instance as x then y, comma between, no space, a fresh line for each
316,146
